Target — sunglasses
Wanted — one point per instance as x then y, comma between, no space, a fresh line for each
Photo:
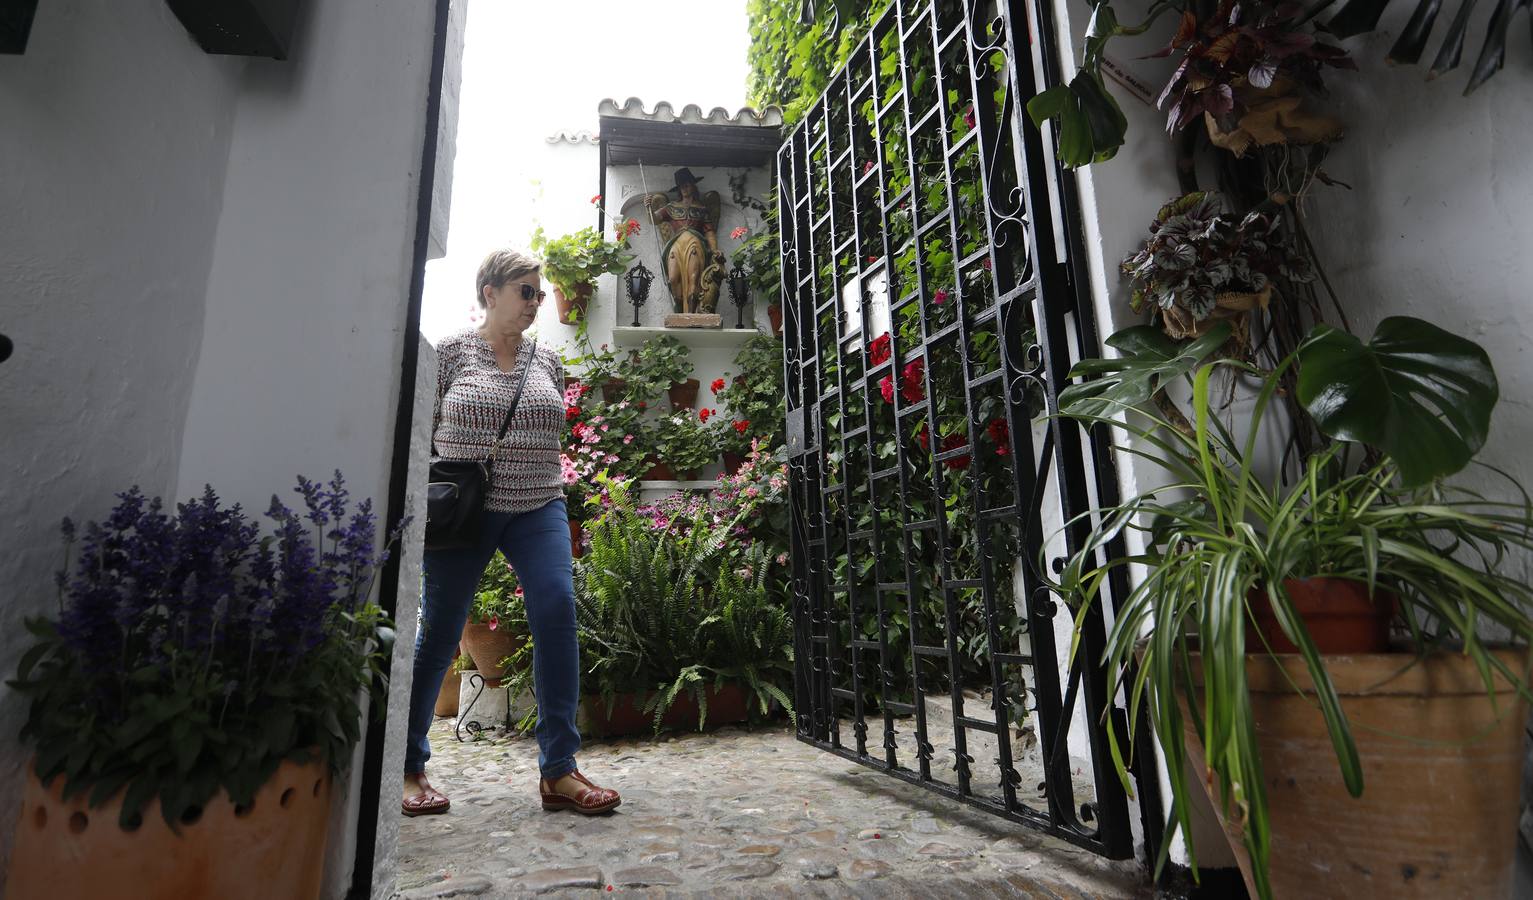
529,292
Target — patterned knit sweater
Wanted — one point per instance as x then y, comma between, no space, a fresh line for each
472,396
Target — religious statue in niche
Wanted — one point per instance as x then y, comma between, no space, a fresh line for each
693,265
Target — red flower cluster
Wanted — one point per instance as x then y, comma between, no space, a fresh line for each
880,349
911,387
742,425
867,167
739,232
571,413
968,115
718,385
940,297
1001,435
627,229
953,442
924,437
596,199
703,414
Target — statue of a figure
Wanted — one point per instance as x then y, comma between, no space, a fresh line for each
694,267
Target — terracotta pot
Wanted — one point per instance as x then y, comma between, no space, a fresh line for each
659,472
569,304
1340,614
689,475
447,695
725,705
733,462
612,390
488,646
1442,769
575,538
276,848
774,313
683,394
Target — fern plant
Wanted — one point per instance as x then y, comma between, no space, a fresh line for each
663,611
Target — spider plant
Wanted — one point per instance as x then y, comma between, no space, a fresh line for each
1217,531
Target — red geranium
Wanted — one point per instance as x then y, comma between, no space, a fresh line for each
911,387
742,425
886,387
703,414
880,349
571,413
718,385
596,199
940,297
1002,437
953,442
924,437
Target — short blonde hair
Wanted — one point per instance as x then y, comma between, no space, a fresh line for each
502,266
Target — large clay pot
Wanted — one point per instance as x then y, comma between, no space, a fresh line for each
726,705
489,646
447,695
1442,768
570,304
1340,614
276,848
683,394
774,313
659,472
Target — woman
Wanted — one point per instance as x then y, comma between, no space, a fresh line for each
477,374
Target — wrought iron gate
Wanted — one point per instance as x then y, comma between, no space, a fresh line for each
932,313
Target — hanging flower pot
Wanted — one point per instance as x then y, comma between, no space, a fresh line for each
273,848
683,394
489,647
612,389
774,313
447,695
578,300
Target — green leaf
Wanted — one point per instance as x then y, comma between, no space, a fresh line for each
1149,358
1416,392
1104,118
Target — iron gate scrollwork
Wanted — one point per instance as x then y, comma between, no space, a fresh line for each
931,316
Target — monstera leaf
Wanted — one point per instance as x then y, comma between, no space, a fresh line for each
1416,392
1149,359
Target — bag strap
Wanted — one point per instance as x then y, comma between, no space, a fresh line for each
516,399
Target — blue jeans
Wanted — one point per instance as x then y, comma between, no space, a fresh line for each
537,544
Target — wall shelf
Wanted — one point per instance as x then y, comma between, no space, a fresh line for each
629,336
677,485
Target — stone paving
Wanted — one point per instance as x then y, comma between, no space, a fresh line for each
731,813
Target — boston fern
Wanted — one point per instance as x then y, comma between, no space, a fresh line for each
192,654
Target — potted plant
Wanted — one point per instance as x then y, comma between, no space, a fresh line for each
447,695
1232,565
572,264
677,628
685,444
195,698
1200,267
755,399
497,620
662,363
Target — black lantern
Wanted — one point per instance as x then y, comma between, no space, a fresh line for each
637,280
739,293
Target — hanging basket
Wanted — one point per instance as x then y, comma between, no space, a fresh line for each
683,394
275,848
579,300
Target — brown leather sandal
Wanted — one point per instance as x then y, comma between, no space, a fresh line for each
429,802
590,800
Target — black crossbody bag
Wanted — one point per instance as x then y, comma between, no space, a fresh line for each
457,488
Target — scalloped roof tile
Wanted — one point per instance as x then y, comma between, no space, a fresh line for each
691,114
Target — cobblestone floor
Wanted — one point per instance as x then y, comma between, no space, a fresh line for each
732,813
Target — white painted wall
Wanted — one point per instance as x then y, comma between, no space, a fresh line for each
205,266
113,119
